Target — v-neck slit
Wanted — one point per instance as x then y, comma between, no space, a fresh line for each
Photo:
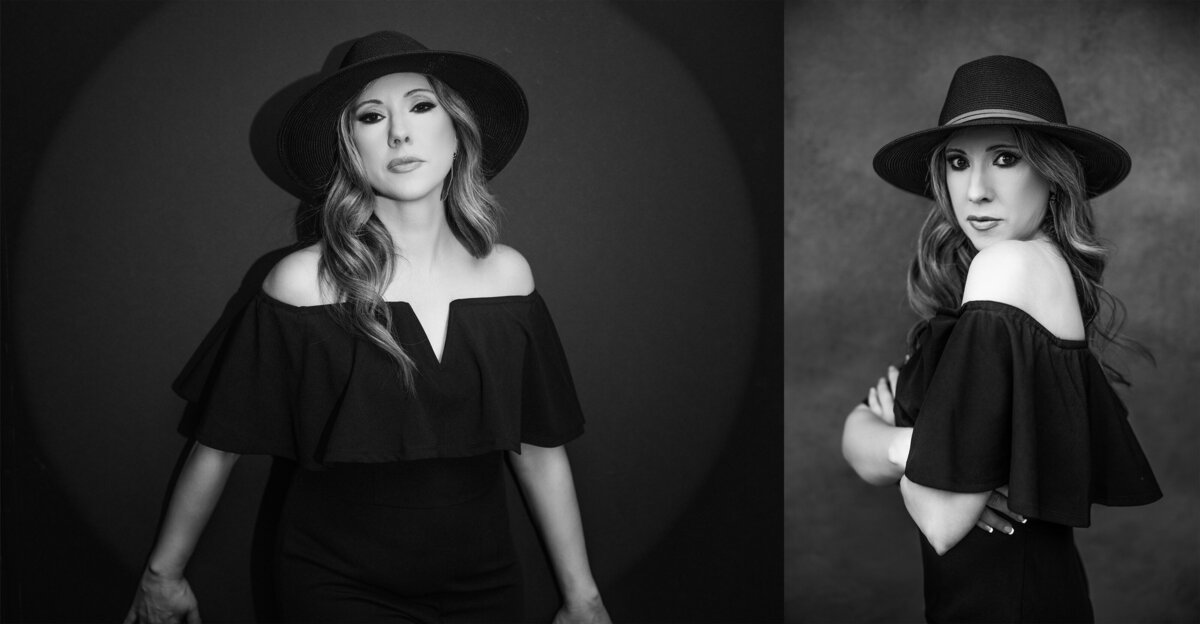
438,359
295,382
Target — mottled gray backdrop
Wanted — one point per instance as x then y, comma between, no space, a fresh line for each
858,74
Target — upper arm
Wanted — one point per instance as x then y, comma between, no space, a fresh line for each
509,272
1005,272
943,517
295,280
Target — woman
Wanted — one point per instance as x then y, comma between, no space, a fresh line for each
1003,415
395,361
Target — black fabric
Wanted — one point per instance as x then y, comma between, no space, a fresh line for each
994,399
1033,575
291,382
991,85
399,542
307,139
997,399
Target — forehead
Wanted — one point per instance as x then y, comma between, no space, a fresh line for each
395,85
981,137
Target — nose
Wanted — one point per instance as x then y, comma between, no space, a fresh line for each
397,134
979,185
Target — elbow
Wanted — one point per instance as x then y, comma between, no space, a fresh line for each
872,477
941,544
940,535
944,518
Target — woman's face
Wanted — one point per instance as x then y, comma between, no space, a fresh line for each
404,136
996,194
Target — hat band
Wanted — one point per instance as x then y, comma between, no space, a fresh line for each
988,113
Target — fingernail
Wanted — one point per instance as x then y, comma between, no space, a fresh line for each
989,529
1024,520
1009,530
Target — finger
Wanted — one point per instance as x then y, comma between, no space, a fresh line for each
893,375
999,502
996,521
983,526
885,395
873,402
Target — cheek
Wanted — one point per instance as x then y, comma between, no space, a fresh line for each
446,136
1031,194
367,143
956,186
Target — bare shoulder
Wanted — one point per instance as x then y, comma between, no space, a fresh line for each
1004,272
507,272
1029,275
294,279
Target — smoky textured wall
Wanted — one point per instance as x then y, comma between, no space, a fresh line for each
858,74
137,198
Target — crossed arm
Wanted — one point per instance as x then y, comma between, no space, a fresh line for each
878,451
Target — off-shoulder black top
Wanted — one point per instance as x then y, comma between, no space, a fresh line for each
994,398
292,382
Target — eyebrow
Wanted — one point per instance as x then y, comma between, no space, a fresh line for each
990,149
410,93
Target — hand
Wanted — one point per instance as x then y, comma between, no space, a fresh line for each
587,612
989,520
881,397
163,600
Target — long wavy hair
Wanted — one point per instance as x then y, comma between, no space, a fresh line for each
938,272
358,256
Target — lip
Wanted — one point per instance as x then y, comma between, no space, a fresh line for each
983,224
404,164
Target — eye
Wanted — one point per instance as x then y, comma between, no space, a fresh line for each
370,118
1006,159
956,162
422,107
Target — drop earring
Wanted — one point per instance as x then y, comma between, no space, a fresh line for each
449,177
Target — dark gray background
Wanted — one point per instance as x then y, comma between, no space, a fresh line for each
859,74
646,198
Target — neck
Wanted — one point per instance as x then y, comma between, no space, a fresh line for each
418,228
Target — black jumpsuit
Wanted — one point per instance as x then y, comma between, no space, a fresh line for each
996,399
397,511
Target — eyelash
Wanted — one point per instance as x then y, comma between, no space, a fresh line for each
953,158
373,117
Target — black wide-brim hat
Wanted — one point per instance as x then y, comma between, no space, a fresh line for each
307,139
1001,91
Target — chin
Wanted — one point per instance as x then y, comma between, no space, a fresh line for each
406,193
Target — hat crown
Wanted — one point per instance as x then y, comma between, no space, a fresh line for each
377,44
1002,83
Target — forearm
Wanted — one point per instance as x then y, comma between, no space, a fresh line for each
877,451
545,477
192,502
943,517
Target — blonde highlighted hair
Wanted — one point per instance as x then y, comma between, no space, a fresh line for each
358,255
938,272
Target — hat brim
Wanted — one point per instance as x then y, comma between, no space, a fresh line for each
307,140
904,162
